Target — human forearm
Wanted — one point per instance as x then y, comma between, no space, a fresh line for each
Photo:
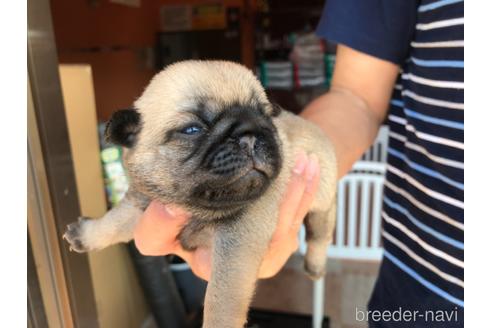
351,113
347,122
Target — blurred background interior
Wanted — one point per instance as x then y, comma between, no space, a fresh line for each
88,58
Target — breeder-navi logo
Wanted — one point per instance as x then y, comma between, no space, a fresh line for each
401,315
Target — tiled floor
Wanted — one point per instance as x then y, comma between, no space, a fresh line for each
348,286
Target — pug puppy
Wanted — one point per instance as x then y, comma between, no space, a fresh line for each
203,135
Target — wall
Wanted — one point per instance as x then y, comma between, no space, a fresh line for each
113,39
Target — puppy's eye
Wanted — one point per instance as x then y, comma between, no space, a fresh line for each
192,130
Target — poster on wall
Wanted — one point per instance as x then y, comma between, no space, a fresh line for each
188,17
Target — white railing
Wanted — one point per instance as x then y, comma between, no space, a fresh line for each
378,151
357,233
358,229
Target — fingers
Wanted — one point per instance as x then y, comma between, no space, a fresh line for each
312,182
156,231
200,261
295,205
276,257
300,194
292,198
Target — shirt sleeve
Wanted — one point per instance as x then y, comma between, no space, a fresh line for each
380,28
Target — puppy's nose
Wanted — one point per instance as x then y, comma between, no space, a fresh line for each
247,143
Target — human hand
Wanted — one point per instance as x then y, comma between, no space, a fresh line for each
157,229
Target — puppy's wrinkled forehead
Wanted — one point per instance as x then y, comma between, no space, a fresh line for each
188,85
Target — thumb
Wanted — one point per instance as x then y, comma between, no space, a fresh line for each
156,230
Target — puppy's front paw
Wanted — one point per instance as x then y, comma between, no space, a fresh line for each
74,235
314,271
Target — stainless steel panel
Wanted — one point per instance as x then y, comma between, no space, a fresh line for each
56,156
36,315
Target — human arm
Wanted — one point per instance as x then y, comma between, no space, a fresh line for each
352,111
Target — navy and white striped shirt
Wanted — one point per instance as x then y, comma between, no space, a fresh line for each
423,265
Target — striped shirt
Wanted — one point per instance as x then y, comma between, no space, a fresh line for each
423,230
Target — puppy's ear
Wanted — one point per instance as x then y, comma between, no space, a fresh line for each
123,127
276,109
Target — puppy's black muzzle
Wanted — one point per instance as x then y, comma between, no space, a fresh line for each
242,157
245,140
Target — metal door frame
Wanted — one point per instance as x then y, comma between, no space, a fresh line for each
64,277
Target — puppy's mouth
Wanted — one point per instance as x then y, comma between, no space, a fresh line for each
252,170
252,178
236,192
